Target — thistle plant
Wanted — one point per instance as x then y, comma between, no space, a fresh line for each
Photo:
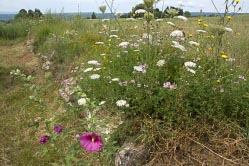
102,9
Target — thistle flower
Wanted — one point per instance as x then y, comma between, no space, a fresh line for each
58,129
44,139
91,142
148,16
102,9
149,3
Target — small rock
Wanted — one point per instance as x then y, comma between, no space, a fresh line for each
131,154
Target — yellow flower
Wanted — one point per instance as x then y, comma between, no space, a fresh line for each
237,1
210,49
205,25
229,17
218,81
199,20
199,23
110,40
190,35
224,56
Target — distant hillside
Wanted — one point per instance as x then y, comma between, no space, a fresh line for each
6,17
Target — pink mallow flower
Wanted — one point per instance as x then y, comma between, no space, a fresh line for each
58,129
44,139
91,142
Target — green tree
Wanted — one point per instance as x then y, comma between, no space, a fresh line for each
31,13
38,13
21,14
93,16
187,14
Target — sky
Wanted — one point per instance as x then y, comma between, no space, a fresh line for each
120,6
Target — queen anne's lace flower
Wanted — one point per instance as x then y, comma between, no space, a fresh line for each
94,76
121,103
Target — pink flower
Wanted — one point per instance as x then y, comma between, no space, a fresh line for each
91,142
44,139
58,129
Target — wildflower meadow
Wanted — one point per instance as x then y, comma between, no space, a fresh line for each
144,90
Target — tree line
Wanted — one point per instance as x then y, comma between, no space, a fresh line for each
22,14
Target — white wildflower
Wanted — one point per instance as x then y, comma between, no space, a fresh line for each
104,20
182,18
121,103
179,46
159,20
140,11
102,102
130,19
93,62
190,64
124,44
82,101
99,43
160,62
140,68
191,70
115,79
113,36
97,69
201,31
88,69
228,29
194,43
177,33
114,30
171,23
94,76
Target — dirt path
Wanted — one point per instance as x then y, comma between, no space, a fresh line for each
17,55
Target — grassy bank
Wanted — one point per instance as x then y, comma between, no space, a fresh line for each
128,82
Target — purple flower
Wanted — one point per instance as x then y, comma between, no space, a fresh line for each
91,142
169,85
44,139
58,129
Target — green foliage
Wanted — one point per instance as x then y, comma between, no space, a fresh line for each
23,14
93,16
187,14
18,29
144,79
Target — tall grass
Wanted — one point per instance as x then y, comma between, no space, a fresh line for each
11,31
146,83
